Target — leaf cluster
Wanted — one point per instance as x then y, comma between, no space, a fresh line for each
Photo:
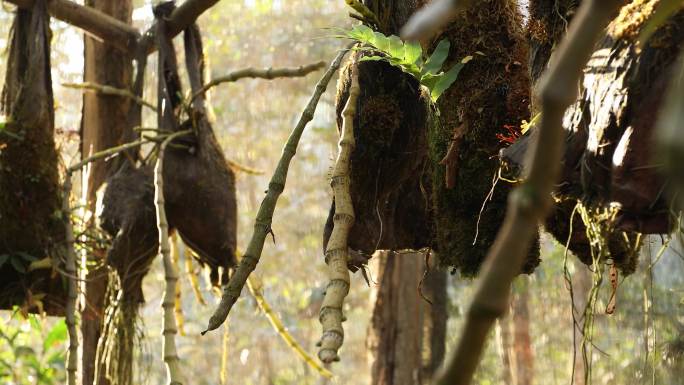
409,57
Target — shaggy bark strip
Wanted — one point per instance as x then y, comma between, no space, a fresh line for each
337,252
170,330
529,203
266,73
262,224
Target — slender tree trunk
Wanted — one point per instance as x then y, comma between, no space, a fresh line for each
523,363
504,340
103,126
435,320
406,335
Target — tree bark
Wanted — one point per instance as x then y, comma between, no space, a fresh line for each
406,335
103,125
523,356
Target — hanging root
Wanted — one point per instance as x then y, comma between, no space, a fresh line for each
70,317
171,359
337,253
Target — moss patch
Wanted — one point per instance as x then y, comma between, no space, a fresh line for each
491,92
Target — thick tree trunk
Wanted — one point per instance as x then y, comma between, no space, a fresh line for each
103,126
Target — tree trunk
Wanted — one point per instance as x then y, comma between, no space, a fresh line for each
103,126
435,320
406,335
523,362
504,342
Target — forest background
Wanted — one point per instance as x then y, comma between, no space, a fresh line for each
253,119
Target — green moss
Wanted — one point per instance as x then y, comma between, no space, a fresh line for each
492,91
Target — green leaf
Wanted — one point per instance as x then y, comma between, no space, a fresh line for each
57,334
439,55
664,10
361,33
412,52
26,256
429,80
446,81
396,47
373,58
380,41
17,265
3,259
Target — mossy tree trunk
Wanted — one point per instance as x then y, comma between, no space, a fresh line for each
103,126
31,217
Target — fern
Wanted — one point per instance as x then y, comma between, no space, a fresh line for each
408,56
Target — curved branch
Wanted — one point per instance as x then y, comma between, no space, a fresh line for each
266,73
262,224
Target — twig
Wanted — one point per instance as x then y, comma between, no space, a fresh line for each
109,90
337,252
175,376
242,168
264,218
530,202
105,153
266,73
255,289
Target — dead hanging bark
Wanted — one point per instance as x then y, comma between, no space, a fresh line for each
609,157
31,217
529,203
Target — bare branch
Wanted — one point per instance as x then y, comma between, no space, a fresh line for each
181,17
262,224
109,90
266,73
107,28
